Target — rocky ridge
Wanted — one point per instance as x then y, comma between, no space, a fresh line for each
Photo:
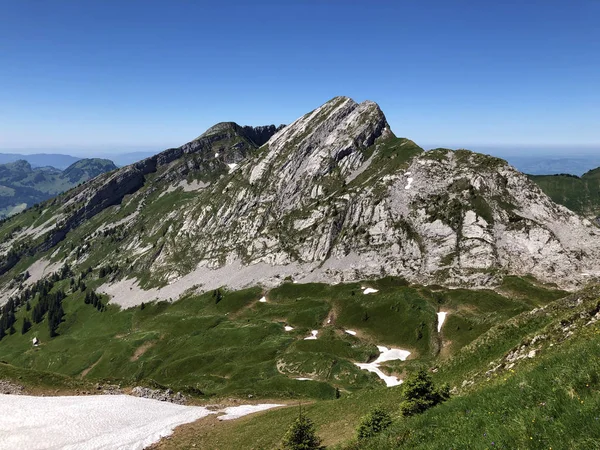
334,196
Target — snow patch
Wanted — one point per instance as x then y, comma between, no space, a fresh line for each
235,412
409,182
313,335
441,318
288,328
304,379
232,166
386,354
216,155
369,291
263,300
353,333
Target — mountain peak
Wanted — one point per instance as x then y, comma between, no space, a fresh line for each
332,196
333,136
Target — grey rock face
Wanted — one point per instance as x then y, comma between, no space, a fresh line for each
442,216
334,196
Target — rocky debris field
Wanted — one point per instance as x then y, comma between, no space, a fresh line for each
9,388
166,395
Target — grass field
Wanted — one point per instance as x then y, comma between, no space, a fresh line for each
238,345
550,401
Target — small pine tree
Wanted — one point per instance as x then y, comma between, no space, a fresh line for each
374,422
420,394
142,306
302,436
26,325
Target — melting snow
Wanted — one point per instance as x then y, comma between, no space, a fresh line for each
353,333
386,354
98,422
288,328
441,318
235,412
370,291
263,300
313,337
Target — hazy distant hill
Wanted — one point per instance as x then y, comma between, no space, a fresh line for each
21,185
579,194
56,160
545,165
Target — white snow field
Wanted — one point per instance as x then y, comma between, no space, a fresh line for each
441,317
97,422
386,354
370,291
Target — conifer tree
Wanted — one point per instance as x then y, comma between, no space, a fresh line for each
302,435
26,325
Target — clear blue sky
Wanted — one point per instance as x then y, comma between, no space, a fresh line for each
118,74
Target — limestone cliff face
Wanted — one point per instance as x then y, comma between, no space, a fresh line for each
333,196
338,196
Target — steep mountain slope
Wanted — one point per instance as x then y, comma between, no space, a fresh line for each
334,196
22,186
579,194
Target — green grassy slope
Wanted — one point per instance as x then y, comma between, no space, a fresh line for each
551,400
581,195
238,345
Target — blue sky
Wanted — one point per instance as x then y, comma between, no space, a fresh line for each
80,75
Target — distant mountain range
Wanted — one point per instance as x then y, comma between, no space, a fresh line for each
21,185
544,165
61,161
56,160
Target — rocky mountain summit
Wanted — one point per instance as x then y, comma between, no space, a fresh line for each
334,196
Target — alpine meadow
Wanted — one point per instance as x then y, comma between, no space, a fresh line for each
328,264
